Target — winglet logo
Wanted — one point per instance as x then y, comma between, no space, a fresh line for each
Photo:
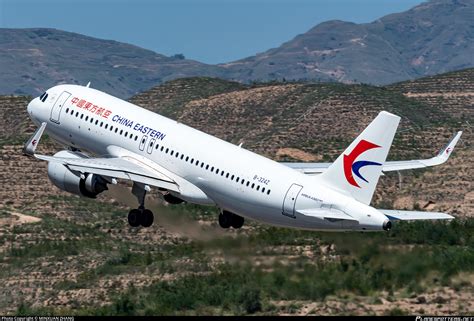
354,167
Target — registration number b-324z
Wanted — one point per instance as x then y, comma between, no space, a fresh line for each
261,179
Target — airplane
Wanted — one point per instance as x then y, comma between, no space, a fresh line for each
108,139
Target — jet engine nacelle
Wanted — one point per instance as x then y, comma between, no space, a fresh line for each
71,181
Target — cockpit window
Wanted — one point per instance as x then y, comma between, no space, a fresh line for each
44,96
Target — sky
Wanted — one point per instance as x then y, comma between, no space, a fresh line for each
210,31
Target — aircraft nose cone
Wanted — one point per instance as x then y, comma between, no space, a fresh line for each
33,111
29,108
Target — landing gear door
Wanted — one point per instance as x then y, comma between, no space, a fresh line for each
58,106
290,200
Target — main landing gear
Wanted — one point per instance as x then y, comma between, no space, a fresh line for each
228,219
141,215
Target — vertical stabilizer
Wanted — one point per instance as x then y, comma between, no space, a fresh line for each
357,170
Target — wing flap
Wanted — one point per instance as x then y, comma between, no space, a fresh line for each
415,215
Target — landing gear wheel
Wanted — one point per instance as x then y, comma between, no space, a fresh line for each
146,218
236,221
224,221
134,217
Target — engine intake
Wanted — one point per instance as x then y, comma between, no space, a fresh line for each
71,181
387,225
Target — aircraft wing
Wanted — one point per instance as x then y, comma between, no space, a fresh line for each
308,168
415,215
389,166
114,167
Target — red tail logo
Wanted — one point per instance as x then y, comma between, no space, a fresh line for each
353,167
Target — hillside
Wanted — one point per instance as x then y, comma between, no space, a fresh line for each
315,122
64,254
33,60
432,38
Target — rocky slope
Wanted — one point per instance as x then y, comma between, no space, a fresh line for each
66,253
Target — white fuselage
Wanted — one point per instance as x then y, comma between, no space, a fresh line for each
231,177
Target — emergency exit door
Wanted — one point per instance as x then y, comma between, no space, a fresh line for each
290,200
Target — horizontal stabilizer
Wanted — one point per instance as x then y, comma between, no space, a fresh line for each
327,214
415,215
388,166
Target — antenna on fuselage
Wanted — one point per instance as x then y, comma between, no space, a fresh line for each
88,84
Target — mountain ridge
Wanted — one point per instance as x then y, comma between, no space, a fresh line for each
431,38
396,47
